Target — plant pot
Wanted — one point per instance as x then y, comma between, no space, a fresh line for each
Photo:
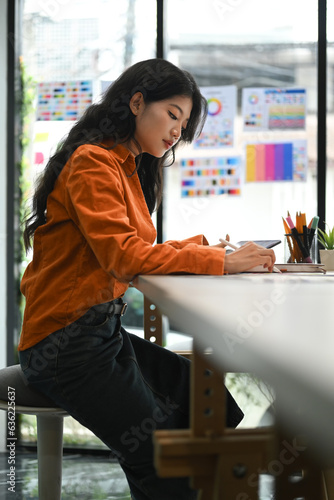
327,258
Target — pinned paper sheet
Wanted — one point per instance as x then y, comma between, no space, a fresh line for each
277,161
273,109
63,100
41,137
218,130
39,158
210,176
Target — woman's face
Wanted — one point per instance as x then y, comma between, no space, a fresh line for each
159,124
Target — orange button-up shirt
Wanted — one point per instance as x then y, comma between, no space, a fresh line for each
97,237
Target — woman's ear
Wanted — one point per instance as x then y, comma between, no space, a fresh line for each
136,103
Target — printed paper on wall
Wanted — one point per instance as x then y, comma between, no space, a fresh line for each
64,101
210,176
273,109
218,131
283,161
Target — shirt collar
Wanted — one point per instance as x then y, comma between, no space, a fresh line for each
123,155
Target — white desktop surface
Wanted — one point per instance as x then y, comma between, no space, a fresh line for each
278,326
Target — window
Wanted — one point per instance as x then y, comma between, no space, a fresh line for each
75,40
246,44
330,115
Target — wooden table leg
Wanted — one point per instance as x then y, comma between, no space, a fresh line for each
328,484
225,463
153,330
297,475
221,462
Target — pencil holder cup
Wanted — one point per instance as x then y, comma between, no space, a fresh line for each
293,248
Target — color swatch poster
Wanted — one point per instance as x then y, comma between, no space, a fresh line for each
273,109
285,161
63,100
218,131
210,176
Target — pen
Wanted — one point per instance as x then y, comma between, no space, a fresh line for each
303,250
287,232
305,231
313,229
231,245
306,237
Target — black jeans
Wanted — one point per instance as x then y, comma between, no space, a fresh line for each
122,388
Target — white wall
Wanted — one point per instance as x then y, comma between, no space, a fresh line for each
3,198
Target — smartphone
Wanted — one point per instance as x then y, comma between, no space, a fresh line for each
263,243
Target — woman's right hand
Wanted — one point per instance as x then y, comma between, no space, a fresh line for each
248,256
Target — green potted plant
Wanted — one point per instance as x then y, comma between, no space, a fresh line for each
326,239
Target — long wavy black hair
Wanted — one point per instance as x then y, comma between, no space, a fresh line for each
111,118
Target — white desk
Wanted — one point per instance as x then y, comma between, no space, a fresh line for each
280,327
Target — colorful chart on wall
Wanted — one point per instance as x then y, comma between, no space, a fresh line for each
273,109
283,161
210,176
63,100
218,130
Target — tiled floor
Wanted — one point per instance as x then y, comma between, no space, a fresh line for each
85,477
88,477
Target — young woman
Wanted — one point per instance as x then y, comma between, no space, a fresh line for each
92,234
